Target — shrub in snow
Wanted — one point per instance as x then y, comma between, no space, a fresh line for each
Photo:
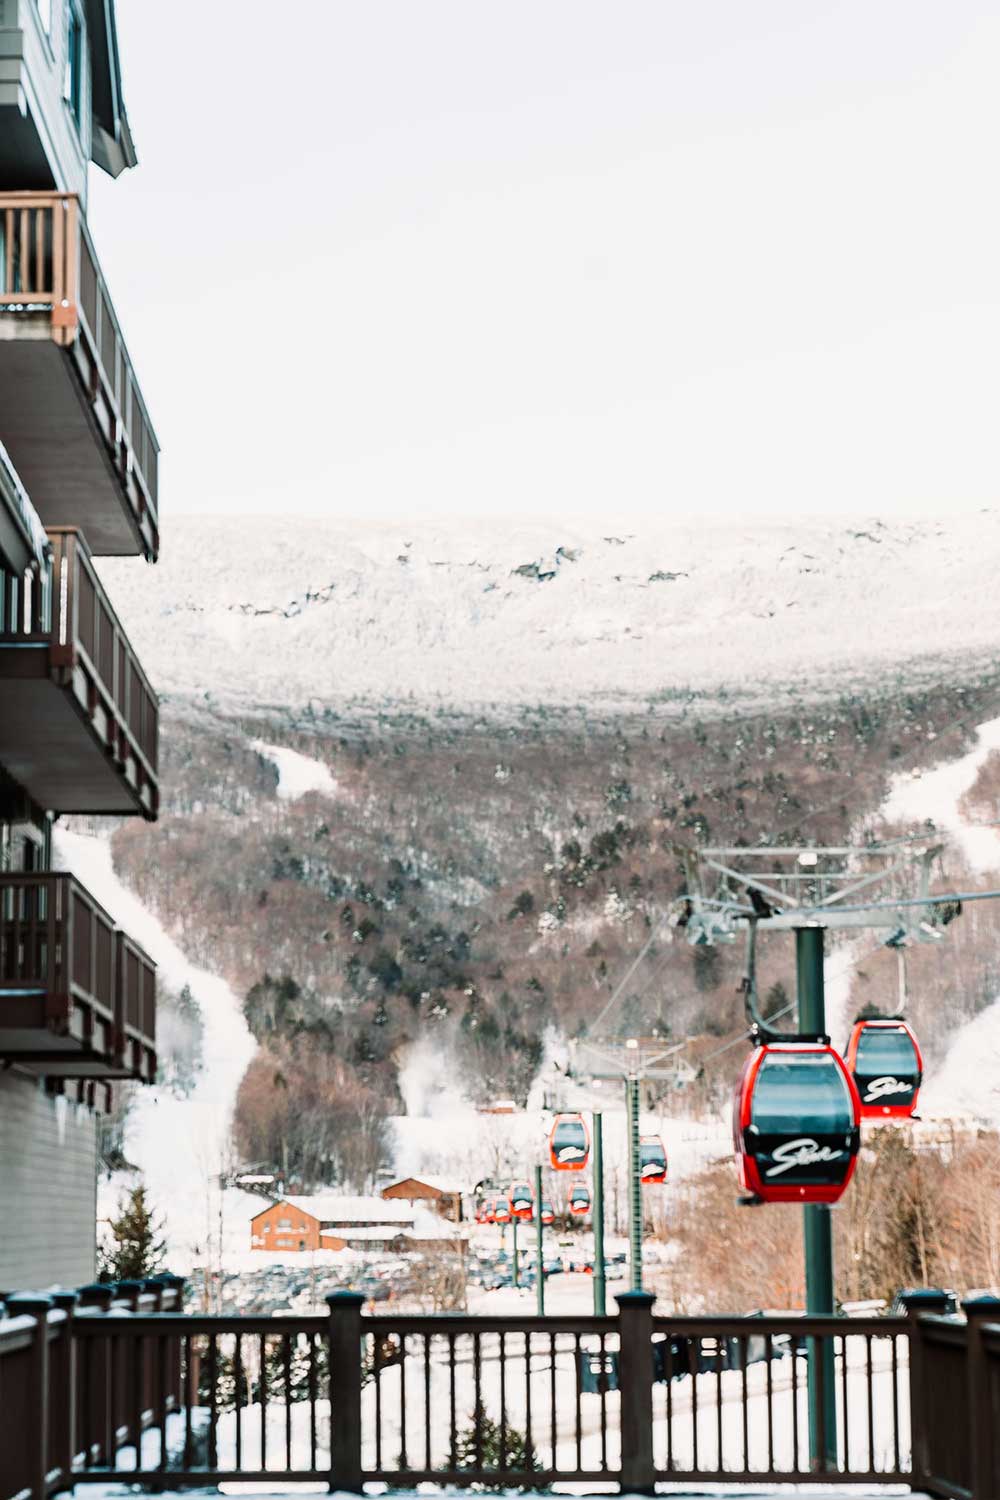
490,1445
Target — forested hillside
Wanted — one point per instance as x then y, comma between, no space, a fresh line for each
478,881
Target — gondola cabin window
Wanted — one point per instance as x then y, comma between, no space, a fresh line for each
652,1159
887,1066
521,1201
569,1144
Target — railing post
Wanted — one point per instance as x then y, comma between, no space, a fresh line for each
64,1440
99,1421
982,1420
173,1301
344,1349
635,1364
922,1300
153,1287
36,1439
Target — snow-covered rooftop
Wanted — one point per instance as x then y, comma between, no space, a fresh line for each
365,1234
439,1184
335,1208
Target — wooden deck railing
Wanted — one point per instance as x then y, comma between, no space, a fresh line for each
56,940
66,968
93,657
88,633
47,260
136,993
168,1400
64,1403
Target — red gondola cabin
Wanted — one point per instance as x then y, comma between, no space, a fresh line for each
522,1203
501,1210
569,1144
548,1213
579,1199
796,1124
652,1159
884,1059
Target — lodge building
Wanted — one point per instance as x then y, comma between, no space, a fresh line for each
78,717
329,1221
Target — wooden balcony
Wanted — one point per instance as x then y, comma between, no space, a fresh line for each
71,413
23,543
79,724
77,996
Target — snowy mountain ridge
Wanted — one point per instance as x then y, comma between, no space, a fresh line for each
287,611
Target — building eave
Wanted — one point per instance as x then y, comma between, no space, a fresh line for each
112,146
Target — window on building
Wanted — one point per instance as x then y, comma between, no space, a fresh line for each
73,82
284,1223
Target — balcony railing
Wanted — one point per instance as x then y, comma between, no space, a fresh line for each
48,266
174,1401
103,757
23,542
77,995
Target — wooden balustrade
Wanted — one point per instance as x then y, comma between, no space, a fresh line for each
89,656
48,264
67,1402
77,996
171,1400
84,624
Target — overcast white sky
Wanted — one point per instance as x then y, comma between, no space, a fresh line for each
568,257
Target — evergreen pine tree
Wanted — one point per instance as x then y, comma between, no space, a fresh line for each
136,1249
486,1442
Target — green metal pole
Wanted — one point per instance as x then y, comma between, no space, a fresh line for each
516,1266
634,1184
818,1227
600,1279
539,1246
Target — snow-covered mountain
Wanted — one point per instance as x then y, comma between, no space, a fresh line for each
421,881
286,611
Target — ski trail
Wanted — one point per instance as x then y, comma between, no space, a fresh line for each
968,1082
180,1145
915,797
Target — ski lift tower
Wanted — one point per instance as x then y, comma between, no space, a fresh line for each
806,890
632,1061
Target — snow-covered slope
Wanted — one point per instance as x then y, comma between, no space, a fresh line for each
969,1081
179,1144
297,774
285,611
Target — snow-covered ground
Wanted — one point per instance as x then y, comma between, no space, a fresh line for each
290,611
705,1413
181,1145
968,1083
297,774
916,796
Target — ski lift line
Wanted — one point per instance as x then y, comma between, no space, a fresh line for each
687,852
619,988
737,1040
786,1009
